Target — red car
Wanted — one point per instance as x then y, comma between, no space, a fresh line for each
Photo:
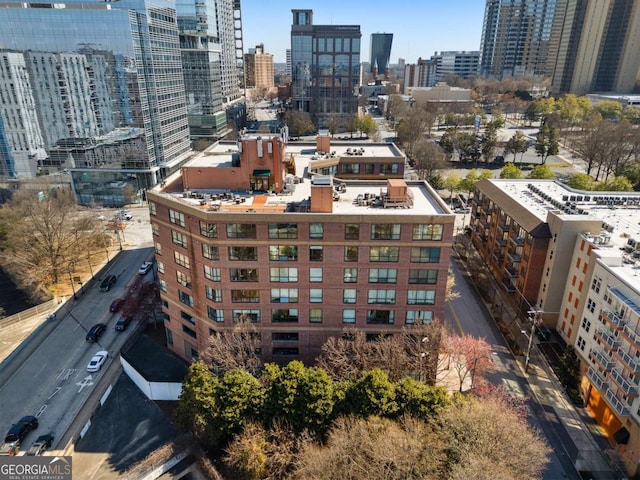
116,304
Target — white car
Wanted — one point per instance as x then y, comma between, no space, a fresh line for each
144,268
97,361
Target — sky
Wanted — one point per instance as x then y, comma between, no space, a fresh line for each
419,27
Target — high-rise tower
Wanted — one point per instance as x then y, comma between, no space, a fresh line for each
380,53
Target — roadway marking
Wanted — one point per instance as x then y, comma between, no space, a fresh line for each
455,317
86,382
41,411
67,373
53,394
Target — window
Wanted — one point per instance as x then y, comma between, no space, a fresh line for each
596,284
215,314
315,295
185,298
243,274
176,218
283,253
581,343
163,285
160,266
586,325
215,295
155,229
423,276
284,336
284,315
209,230
315,275
284,295
179,238
384,254
189,331
243,253
181,259
283,274
316,230
352,231
378,317
157,248
241,230
421,297
245,296
153,208
427,232
350,275
425,254
285,351
381,296
315,315
187,318
591,305
251,315
316,253
210,252
283,230
183,279
419,316
169,337
383,275
211,273
350,254
348,316
350,168
349,295
385,231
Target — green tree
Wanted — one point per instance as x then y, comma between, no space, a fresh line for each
466,184
196,404
547,141
299,122
632,115
372,394
609,109
489,142
452,184
366,125
581,181
511,170
616,184
420,400
541,172
516,144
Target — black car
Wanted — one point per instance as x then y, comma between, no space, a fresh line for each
108,282
94,334
122,323
19,430
543,334
40,445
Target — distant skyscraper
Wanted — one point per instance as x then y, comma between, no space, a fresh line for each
230,37
88,72
288,57
325,61
258,67
380,53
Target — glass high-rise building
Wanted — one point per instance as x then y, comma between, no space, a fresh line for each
325,67
380,53
106,85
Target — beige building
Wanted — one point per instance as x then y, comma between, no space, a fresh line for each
259,68
440,93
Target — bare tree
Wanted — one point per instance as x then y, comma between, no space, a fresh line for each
236,348
429,158
467,355
333,123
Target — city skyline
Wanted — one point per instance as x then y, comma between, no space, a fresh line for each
419,29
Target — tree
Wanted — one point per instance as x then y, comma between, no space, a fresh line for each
467,183
609,109
489,142
632,115
581,181
333,124
541,172
452,184
299,122
428,158
237,348
516,144
365,124
594,143
372,394
448,142
467,355
412,127
350,124
420,400
396,107
616,184
511,170
547,141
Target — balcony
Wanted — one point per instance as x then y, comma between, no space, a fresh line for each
608,339
613,319
518,241
626,359
511,272
497,258
501,241
601,359
597,381
515,257
624,385
508,285
503,226
619,407
632,336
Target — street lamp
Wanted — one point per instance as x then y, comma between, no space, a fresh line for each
534,318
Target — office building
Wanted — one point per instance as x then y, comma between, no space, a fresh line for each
288,59
574,257
258,68
118,69
461,63
242,232
419,74
380,53
325,61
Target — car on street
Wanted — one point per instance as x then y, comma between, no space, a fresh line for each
20,429
122,323
126,215
97,361
108,282
94,332
42,443
543,333
116,305
145,268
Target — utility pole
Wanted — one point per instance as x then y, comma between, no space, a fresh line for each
535,319
73,289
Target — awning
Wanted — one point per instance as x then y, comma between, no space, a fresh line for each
262,173
621,436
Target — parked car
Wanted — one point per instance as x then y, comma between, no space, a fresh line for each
543,334
122,323
97,361
42,444
94,333
107,283
145,268
8,449
116,305
19,430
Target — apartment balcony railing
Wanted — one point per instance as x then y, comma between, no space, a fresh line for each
597,381
508,285
601,359
503,226
519,241
501,241
515,257
614,319
497,258
627,387
611,341
618,406
512,272
632,336
628,361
